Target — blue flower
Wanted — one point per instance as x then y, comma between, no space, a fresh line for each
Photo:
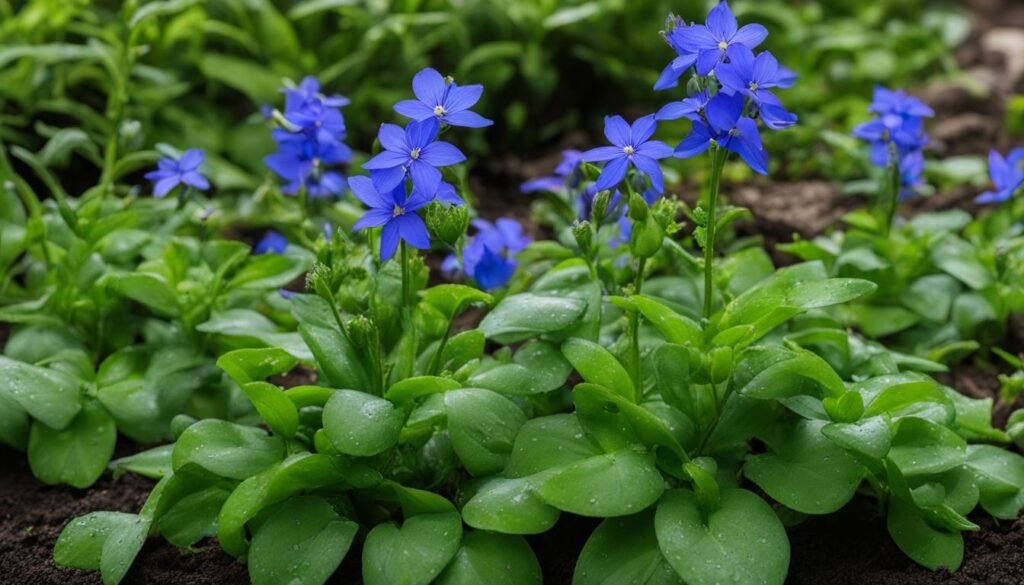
898,126
753,77
633,145
443,100
565,175
724,124
393,211
272,242
185,170
711,41
911,172
1007,176
414,150
489,257
302,164
313,122
307,93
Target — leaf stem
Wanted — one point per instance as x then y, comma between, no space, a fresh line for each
634,332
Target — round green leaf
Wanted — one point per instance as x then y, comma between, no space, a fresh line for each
805,471
361,424
226,449
624,550
277,410
527,315
595,486
483,427
509,506
77,455
598,366
742,541
414,554
302,542
494,559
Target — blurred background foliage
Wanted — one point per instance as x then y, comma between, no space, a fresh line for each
83,83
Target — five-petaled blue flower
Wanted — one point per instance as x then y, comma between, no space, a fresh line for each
691,108
443,100
1007,176
753,77
414,150
900,120
565,175
185,170
272,242
711,40
725,125
393,211
633,145
685,55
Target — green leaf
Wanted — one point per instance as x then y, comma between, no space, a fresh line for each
254,80
675,327
615,422
276,409
1000,479
76,455
624,550
571,15
151,290
520,317
251,365
300,472
108,541
161,8
452,299
494,559
593,487
870,437
361,424
193,517
742,541
412,388
547,442
902,394
49,396
311,7
226,449
804,470
536,368
302,542
598,366
509,506
922,447
919,540
483,427
152,463
336,359
414,554
772,373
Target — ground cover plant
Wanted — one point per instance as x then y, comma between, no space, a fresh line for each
330,364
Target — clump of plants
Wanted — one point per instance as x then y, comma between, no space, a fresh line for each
639,368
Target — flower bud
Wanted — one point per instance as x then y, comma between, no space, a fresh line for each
646,238
599,208
447,223
721,364
584,234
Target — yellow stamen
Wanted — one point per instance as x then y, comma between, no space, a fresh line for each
628,150
722,45
398,210
439,110
415,154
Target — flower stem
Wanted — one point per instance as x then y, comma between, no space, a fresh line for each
891,190
634,333
717,163
407,316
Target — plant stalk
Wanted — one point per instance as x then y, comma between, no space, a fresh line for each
717,163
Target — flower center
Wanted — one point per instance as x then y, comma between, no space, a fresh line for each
415,154
753,86
723,45
439,110
629,150
398,210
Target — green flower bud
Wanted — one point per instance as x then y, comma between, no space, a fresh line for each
721,364
646,238
584,234
600,206
447,223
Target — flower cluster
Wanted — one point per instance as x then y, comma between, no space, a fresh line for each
1007,176
734,86
489,257
896,135
184,170
309,141
405,176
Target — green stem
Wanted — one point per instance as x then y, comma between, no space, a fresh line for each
891,189
407,309
634,332
717,163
